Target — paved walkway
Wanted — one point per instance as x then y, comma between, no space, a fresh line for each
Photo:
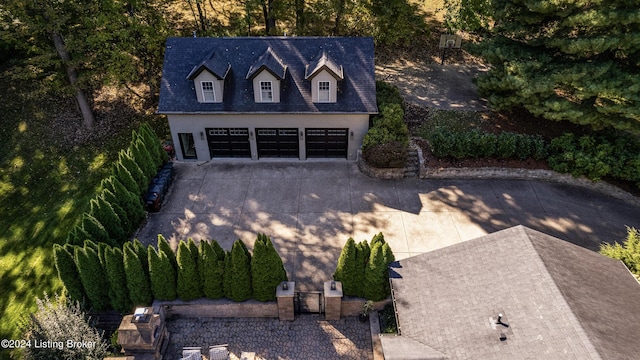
309,209
309,337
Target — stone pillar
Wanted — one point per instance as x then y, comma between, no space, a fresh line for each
332,300
286,309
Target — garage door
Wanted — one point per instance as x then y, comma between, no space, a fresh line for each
228,142
281,143
326,143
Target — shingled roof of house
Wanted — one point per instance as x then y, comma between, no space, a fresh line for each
286,57
559,300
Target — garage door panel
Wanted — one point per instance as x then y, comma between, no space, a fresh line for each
229,142
326,143
281,143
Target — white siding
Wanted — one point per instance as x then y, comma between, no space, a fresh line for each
324,75
264,75
218,86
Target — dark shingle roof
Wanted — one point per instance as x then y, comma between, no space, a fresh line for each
356,93
270,62
561,301
324,62
216,65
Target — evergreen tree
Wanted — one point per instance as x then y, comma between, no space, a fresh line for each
377,239
127,226
95,230
188,284
130,202
362,260
376,275
211,271
77,236
152,143
104,213
267,270
137,281
163,245
388,256
93,277
118,291
142,158
227,278
566,61
193,249
162,276
217,249
347,269
123,175
68,271
241,272
628,252
141,251
129,163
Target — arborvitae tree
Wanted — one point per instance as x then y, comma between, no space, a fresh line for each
211,271
217,249
628,252
77,236
93,245
118,291
163,283
388,256
227,279
123,175
565,60
347,269
267,270
362,259
93,277
163,245
137,281
127,226
141,250
188,284
152,143
376,275
68,271
130,202
127,160
104,213
377,239
193,248
241,272
142,158
95,230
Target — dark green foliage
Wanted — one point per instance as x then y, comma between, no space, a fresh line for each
77,236
227,281
348,269
565,61
267,269
628,252
104,213
141,251
386,143
596,156
376,275
188,281
396,22
388,323
378,239
138,282
95,230
193,249
211,271
118,291
94,278
387,94
161,274
142,158
137,174
220,254
127,226
125,178
130,202
363,251
68,271
163,245
152,144
240,272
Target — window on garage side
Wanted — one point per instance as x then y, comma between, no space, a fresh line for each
207,91
323,91
266,92
187,145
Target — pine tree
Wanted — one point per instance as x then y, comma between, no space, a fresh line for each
118,291
565,61
348,268
93,277
188,284
95,230
211,271
163,245
104,213
267,270
376,275
241,272
163,282
68,271
138,283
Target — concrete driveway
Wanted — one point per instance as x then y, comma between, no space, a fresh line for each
309,209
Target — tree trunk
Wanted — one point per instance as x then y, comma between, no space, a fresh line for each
339,14
87,115
300,17
203,17
269,17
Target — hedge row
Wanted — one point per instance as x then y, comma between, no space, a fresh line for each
478,144
136,274
363,268
117,209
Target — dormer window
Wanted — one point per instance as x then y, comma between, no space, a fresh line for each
208,95
266,91
324,91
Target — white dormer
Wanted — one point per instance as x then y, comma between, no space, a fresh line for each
208,79
324,74
267,73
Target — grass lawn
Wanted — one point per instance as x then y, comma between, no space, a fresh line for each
44,187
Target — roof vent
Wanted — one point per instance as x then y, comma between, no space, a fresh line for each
500,322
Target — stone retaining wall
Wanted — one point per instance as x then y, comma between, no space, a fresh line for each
352,306
221,308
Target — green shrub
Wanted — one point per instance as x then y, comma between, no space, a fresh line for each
153,144
376,136
507,145
68,271
137,280
123,175
386,155
77,236
130,202
93,277
387,94
363,251
241,285
104,213
142,157
163,245
211,270
118,292
95,230
127,226
376,275
267,269
347,270
628,252
161,274
188,282
137,173
141,251
227,280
